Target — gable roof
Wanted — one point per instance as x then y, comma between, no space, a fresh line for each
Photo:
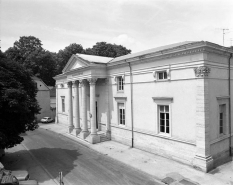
85,60
38,79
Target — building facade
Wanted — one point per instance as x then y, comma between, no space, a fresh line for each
43,98
173,101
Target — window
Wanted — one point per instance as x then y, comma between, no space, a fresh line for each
63,103
121,113
222,118
164,119
162,75
120,83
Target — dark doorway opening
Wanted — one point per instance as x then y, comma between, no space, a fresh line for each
96,115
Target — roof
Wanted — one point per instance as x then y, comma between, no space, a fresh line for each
93,58
153,50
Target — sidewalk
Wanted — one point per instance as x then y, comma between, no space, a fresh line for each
153,164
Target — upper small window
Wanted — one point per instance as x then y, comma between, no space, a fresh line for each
120,83
162,75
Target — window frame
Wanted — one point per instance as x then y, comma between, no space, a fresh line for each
165,120
223,100
156,75
118,114
120,83
63,107
163,75
224,116
163,101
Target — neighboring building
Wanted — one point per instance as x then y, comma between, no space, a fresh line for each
43,98
53,101
173,101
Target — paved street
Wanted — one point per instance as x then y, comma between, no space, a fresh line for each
50,153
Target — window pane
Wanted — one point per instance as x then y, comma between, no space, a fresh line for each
167,122
161,108
162,122
221,130
165,75
160,76
167,130
167,108
221,115
162,129
162,116
167,116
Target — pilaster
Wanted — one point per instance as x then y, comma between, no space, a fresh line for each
203,159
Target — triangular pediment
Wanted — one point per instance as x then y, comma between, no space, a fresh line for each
75,62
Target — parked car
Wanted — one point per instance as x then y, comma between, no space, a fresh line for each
21,175
12,180
46,120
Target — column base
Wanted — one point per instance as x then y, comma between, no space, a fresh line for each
204,164
84,134
70,129
108,134
93,138
77,131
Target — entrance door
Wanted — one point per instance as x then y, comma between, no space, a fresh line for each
96,115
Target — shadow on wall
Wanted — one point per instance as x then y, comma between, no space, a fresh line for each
22,160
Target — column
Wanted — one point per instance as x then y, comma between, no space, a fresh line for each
76,108
70,114
56,118
85,131
93,138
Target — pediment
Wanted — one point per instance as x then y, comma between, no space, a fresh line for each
75,62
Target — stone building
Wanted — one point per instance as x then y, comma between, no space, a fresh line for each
173,101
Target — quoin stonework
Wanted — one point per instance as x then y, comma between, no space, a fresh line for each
174,101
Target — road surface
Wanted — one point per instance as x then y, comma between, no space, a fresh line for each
44,154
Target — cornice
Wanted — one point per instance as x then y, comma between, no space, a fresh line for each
199,47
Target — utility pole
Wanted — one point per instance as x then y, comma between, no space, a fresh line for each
223,33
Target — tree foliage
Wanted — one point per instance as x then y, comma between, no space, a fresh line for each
28,51
64,55
107,50
18,104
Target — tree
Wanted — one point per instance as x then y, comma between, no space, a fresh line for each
18,104
23,48
107,50
43,65
28,51
64,55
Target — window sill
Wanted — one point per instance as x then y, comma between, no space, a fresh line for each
164,135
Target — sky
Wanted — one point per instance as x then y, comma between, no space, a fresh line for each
136,24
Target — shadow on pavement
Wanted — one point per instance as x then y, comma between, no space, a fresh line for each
46,157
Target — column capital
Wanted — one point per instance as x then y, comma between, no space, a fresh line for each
75,83
83,82
92,81
69,84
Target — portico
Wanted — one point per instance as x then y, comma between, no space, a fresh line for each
79,87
